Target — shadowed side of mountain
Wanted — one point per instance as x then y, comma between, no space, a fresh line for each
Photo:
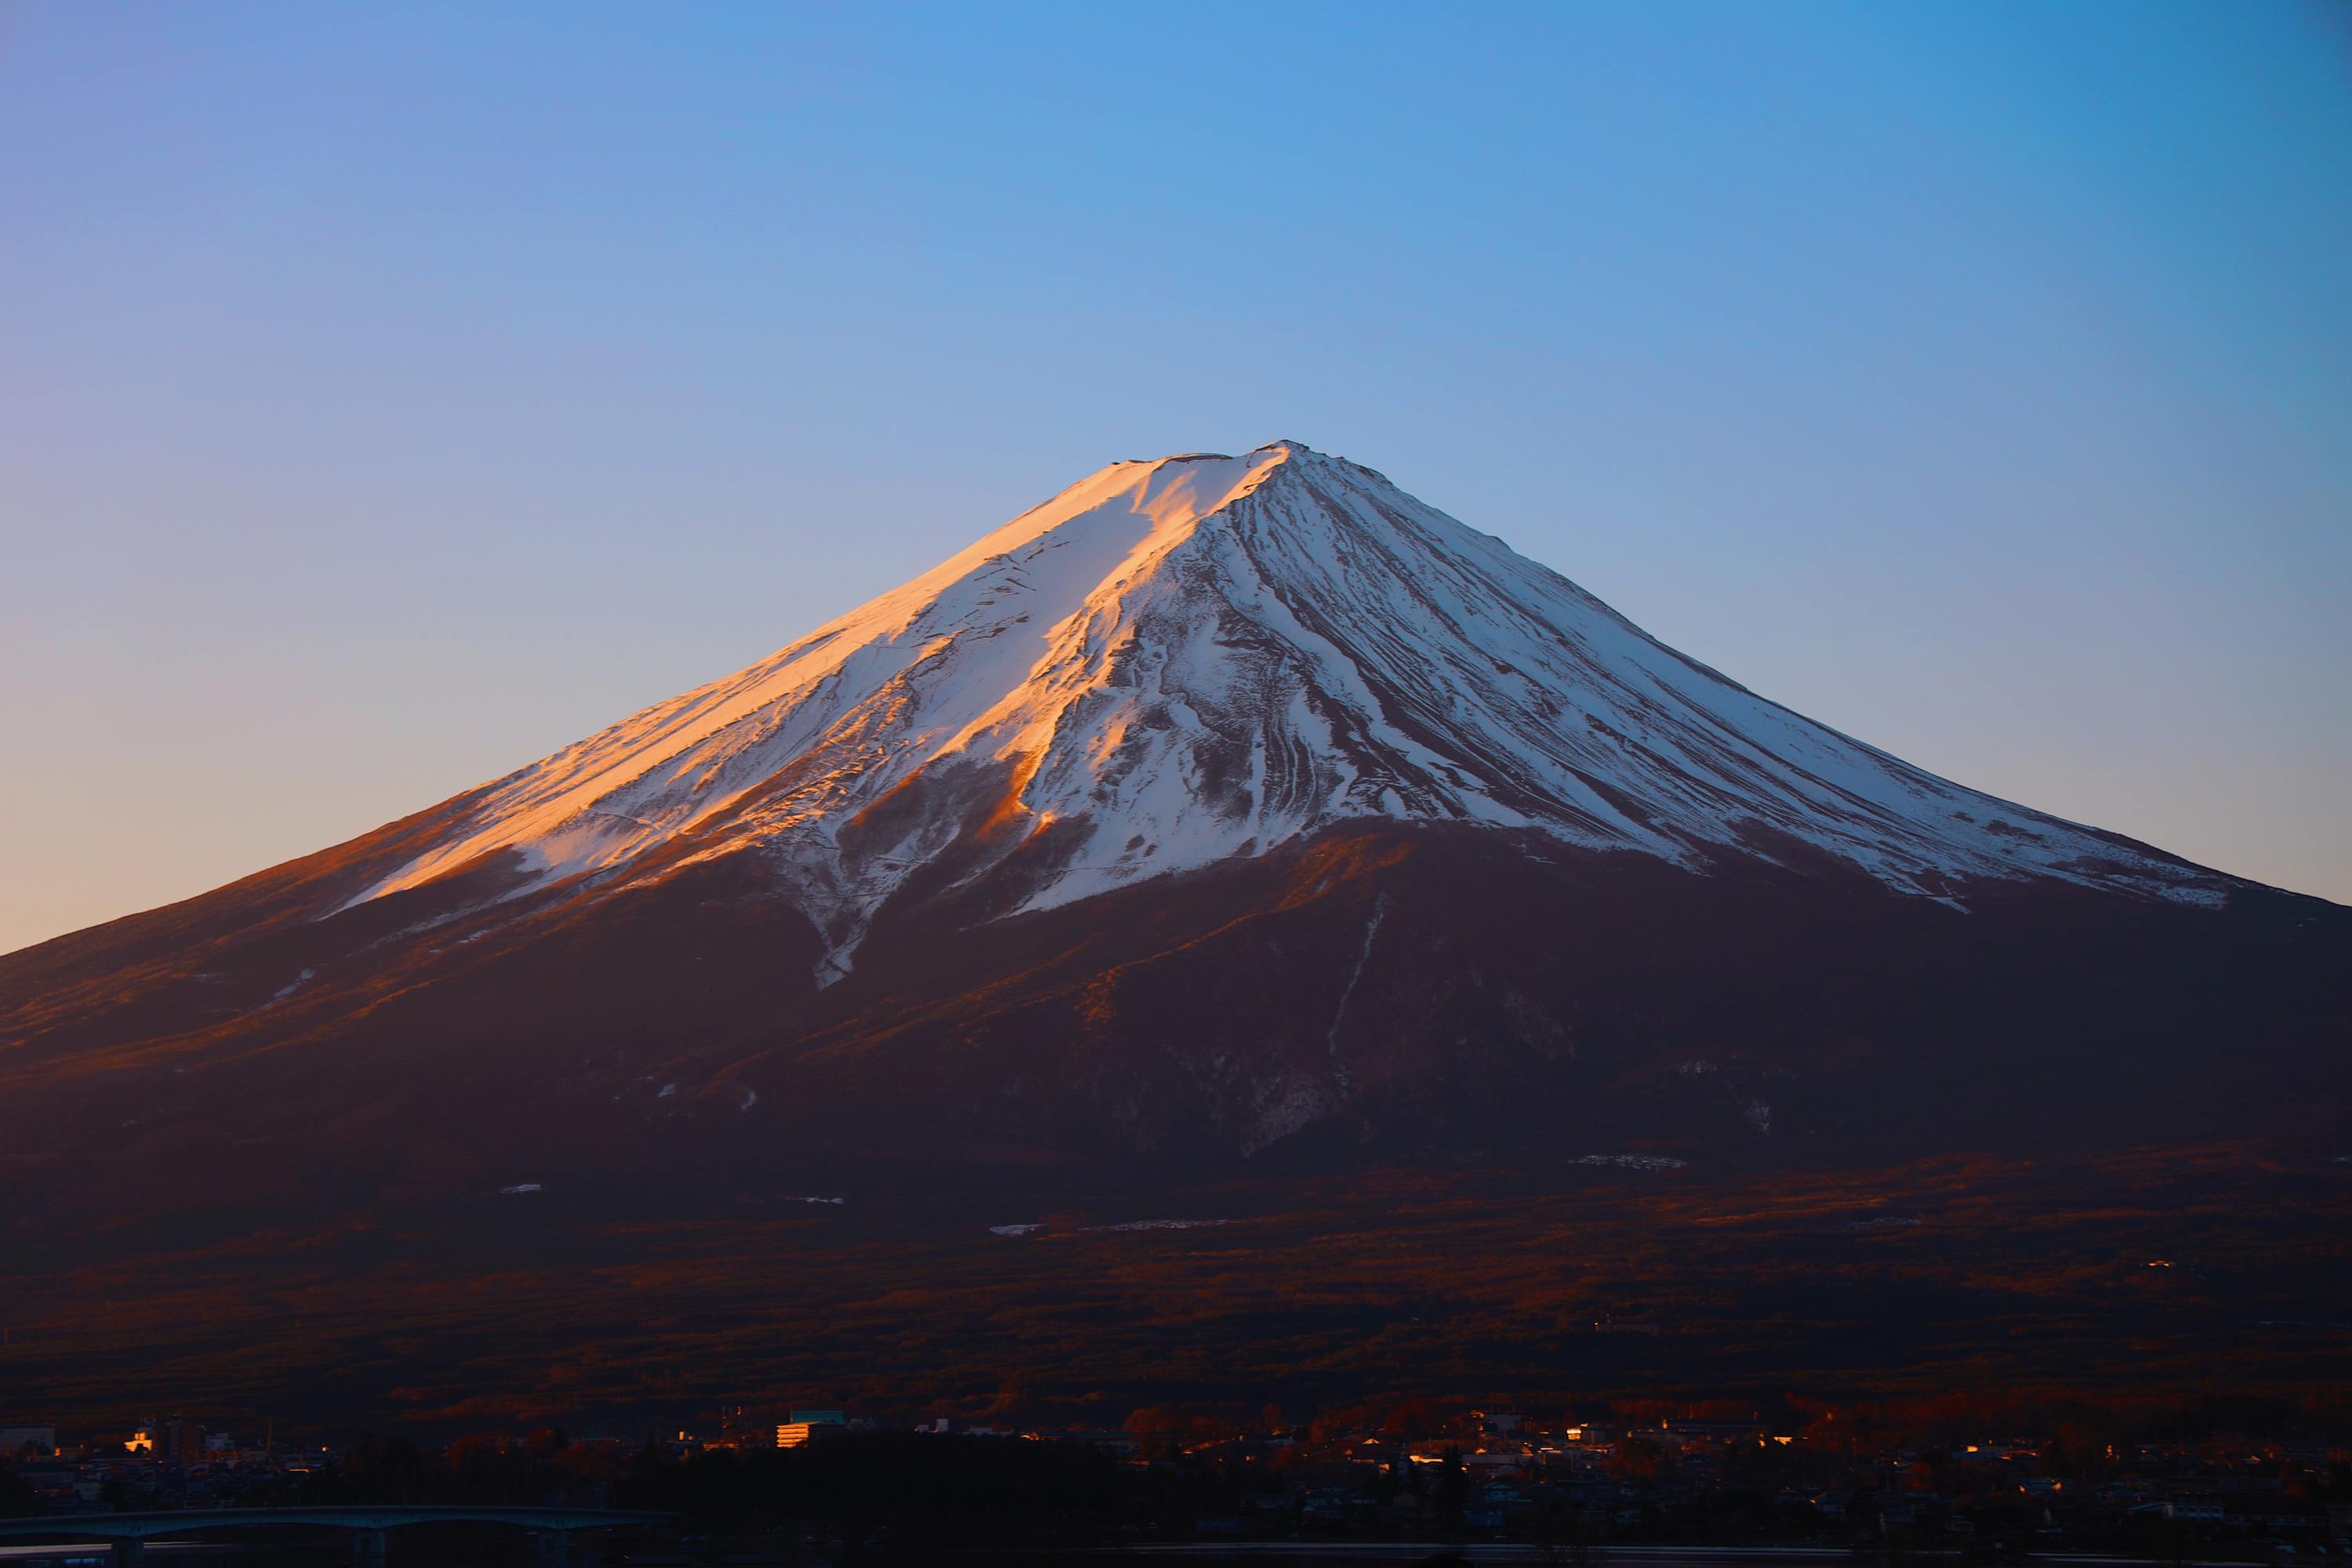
1381,992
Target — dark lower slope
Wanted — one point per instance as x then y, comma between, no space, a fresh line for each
1920,1147
1537,1289
1380,995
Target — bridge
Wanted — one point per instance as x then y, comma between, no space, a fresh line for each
127,1534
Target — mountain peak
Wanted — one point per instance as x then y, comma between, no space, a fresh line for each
1104,691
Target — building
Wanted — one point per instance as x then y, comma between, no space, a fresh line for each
808,1426
180,1440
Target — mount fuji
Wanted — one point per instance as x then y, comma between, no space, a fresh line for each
1202,658
1218,809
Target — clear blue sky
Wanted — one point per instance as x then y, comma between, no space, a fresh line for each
390,395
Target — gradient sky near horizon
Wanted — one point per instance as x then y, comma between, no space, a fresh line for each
392,395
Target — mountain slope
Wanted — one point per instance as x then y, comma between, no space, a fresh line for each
1220,808
1225,839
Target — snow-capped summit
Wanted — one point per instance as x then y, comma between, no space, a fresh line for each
1177,662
